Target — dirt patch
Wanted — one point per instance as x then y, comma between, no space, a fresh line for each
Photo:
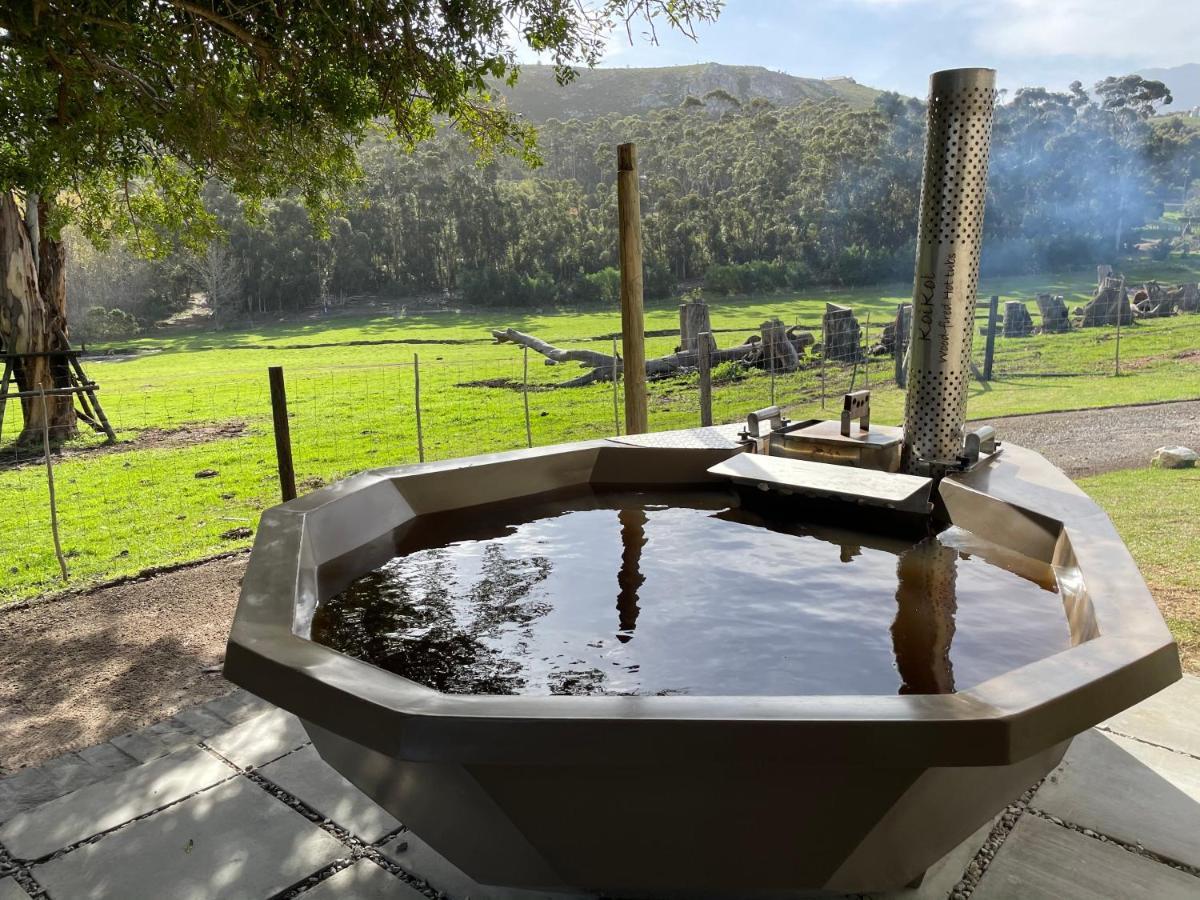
184,436
80,669
1141,362
1181,609
510,383
148,439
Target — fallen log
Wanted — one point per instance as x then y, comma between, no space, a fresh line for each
603,365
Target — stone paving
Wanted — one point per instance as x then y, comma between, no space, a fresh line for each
229,799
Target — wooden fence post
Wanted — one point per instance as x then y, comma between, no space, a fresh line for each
62,561
989,349
525,394
417,402
704,363
633,328
283,434
1122,305
900,344
616,399
867,352
824,356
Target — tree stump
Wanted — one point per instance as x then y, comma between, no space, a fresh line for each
694,321
843,337
778,353
1110,305
1186,297
1017,321
1055,316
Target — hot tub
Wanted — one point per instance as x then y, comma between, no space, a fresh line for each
683,792
726,716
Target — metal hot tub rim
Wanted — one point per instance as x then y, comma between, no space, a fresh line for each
963,755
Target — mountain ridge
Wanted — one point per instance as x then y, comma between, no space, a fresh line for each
1184,82
603,91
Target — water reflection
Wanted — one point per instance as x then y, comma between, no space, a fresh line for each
926,604
711,597
410,617
629,577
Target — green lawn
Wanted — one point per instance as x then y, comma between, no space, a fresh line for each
1155,511
353,408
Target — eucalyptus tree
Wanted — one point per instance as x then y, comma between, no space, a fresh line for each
116,111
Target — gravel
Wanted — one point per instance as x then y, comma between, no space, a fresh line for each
1093,441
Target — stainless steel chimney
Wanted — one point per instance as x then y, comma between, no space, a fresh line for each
949,235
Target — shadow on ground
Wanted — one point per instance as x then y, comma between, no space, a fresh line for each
79,670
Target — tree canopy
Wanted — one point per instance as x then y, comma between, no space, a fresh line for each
126,106
116,113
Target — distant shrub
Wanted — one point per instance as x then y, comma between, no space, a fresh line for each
746,278
603,287
657,280
492,287
730,370
100,324
865,265
799,275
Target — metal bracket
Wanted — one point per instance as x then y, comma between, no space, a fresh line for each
856,405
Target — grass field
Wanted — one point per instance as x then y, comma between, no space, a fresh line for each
1155,511
196,402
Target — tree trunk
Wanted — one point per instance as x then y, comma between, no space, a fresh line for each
602,365
693,322
34,321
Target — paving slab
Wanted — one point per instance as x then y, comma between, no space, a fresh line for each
238,706
24,790
200,721
1170,718
234,841
10,890
1128,790
1044,861
112,802
154,741
107,758
69,772
260,740
307,777
363,881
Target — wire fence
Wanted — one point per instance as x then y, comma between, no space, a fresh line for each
194,462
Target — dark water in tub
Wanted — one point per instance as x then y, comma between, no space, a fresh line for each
690,593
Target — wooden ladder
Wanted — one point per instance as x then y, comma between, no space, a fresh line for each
89,409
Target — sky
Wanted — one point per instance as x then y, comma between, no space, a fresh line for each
896,44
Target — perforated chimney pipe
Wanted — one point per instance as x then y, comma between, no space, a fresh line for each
949,235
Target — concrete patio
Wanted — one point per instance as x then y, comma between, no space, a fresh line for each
228,799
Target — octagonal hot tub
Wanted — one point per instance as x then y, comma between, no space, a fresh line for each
849,695
712,661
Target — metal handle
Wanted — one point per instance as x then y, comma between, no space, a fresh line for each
773,415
